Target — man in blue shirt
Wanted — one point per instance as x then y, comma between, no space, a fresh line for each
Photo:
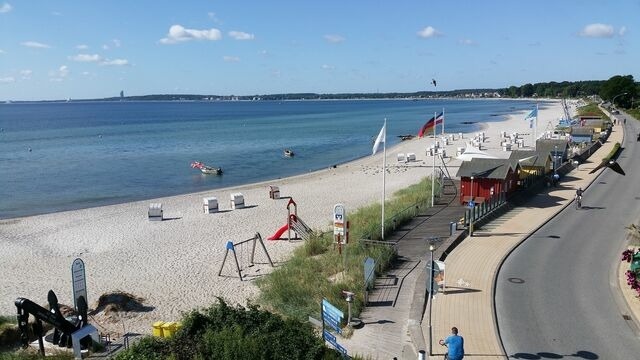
455,343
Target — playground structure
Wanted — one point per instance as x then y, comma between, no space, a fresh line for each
300,229
66,333
247,257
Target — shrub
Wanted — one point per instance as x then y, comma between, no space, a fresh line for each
234,332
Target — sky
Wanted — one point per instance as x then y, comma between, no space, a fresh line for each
93,49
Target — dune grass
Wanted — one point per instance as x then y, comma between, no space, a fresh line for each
317,270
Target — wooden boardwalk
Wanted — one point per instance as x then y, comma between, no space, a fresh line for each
385,333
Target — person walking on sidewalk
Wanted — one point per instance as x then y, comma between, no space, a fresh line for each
455,345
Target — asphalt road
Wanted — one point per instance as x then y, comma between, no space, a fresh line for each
557,294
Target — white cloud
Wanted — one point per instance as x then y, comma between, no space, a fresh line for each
622,31
466,42
86,73
5,8
177,34
86,58
115,62
597,31
26,74
60,74
334,38
429,32
116,42
35,44
82,47
230,58
1,51
213,17
56,13
327,67
7,80
241,35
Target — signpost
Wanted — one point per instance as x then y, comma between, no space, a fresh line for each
339,219
79,281
332,316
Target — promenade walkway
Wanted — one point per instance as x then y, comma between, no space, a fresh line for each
397,325
473,265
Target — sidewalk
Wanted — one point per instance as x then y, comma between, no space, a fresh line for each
473,265
397,323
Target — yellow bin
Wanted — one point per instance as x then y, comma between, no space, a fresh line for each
157,328
168,329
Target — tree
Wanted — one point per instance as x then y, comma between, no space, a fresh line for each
617,85
527,90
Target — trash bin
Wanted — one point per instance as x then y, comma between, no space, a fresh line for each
168,329
157,328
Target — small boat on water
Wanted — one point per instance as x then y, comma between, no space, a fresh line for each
206,169
288,153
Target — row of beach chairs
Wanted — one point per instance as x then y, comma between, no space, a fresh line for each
210,204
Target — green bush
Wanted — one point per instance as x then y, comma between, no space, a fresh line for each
228,332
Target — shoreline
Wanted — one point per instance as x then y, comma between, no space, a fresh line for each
174,264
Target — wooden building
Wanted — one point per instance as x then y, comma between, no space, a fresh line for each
482,179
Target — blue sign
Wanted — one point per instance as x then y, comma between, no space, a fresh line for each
334,311
332,322
471,204
369,272
329,337
341,349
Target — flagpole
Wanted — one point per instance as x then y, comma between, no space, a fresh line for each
435,125
384,172
433,176
535,129
443,121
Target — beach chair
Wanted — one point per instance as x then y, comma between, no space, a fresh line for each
274,192
155,212
237,201
210,204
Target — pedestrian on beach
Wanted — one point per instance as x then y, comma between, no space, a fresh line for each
455,345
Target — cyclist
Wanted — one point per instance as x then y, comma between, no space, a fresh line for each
455,344
579,193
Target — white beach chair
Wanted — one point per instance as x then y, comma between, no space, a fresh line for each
210,205
237,200
155,212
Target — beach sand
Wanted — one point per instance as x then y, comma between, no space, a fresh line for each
174,264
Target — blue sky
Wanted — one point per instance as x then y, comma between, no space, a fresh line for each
93,49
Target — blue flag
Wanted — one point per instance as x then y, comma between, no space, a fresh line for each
532,114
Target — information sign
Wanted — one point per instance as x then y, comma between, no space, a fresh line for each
79,281
339,220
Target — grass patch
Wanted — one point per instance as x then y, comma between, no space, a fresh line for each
8,320
634,112
317,270
612,153
592,109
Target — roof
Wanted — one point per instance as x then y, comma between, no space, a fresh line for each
547,146
472,152
528,158
594,122
580,130
486,168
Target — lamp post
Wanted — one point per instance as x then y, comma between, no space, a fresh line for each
613,101
431,249
471,209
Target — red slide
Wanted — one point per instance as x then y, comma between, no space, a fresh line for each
279,233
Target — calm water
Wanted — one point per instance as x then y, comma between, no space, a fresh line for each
61,156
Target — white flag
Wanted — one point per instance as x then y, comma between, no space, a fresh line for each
380,139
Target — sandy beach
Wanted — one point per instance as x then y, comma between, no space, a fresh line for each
174,264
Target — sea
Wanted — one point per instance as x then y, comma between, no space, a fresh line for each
57,156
